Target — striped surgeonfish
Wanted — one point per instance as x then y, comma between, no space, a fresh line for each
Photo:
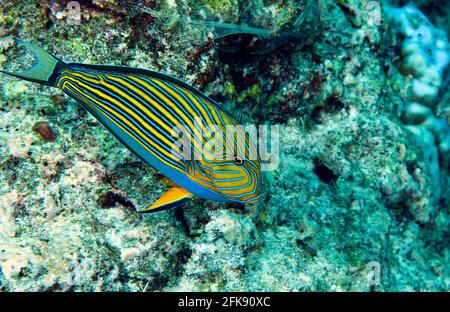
167,123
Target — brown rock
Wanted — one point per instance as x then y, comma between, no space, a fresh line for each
45,131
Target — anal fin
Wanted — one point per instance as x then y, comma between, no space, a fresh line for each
173,198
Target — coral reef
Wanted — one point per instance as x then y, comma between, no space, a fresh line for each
355,188
425,55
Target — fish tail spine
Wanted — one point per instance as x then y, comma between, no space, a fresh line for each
45,69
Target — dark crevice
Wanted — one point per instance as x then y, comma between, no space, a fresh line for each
324,173
110,199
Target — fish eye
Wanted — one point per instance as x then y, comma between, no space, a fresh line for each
238,160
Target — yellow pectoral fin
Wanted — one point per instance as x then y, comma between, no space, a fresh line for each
174,197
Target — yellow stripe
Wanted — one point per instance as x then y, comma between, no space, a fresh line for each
166,100
176,95
197,178
124,108
154,144
214,111
199,106
195,143
183,99
146,97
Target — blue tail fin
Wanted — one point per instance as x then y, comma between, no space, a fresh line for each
43,70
